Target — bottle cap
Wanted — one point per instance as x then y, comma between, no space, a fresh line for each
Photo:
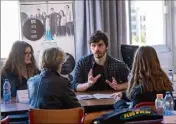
168,92
160,96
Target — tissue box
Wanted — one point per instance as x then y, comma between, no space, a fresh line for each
169,117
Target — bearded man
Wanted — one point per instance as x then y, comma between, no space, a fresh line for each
99,71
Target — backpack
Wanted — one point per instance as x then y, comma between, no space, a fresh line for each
127,115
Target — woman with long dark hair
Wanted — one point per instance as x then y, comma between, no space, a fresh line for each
19,66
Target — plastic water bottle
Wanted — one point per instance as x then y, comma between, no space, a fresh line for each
7,91
159,104
168,103
170,75
129,76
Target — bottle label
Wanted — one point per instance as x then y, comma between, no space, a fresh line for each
169,106
7,97
160,111
7,91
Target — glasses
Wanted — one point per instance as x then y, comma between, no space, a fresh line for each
62,63
28,53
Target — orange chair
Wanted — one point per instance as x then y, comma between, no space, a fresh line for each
62,116
5,120
89,117
146,104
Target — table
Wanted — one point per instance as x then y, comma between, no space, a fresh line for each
15,107
96,102
94,105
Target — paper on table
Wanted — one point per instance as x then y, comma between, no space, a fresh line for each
85,96
94,96
102,96
22,96
174,94
169,117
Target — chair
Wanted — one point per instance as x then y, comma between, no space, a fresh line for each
128,52
89,117
44,116
146,104
5,120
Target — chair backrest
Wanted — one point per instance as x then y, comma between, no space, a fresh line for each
89,117
146,104
5,120
128,52
45,116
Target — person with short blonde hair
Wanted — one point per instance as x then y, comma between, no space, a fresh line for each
53,59
50,90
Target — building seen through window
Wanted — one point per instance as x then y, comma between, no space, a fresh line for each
147,22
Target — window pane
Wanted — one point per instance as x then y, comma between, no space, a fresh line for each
9,26
147,22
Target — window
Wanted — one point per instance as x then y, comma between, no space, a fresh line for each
10,26
143,27
133,18
149,22
133,27
133,33
142,18
133,10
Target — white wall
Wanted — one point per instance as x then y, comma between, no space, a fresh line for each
174,33
168,59
9,26
165,60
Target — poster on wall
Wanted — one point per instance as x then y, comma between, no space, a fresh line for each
48,24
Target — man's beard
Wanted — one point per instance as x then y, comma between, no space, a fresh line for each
99,55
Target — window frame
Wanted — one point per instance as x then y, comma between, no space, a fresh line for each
168,30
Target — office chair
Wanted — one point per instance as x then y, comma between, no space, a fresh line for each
128,52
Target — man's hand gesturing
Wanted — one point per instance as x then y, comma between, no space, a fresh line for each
114,84
92,80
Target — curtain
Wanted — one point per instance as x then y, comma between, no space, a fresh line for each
105,15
